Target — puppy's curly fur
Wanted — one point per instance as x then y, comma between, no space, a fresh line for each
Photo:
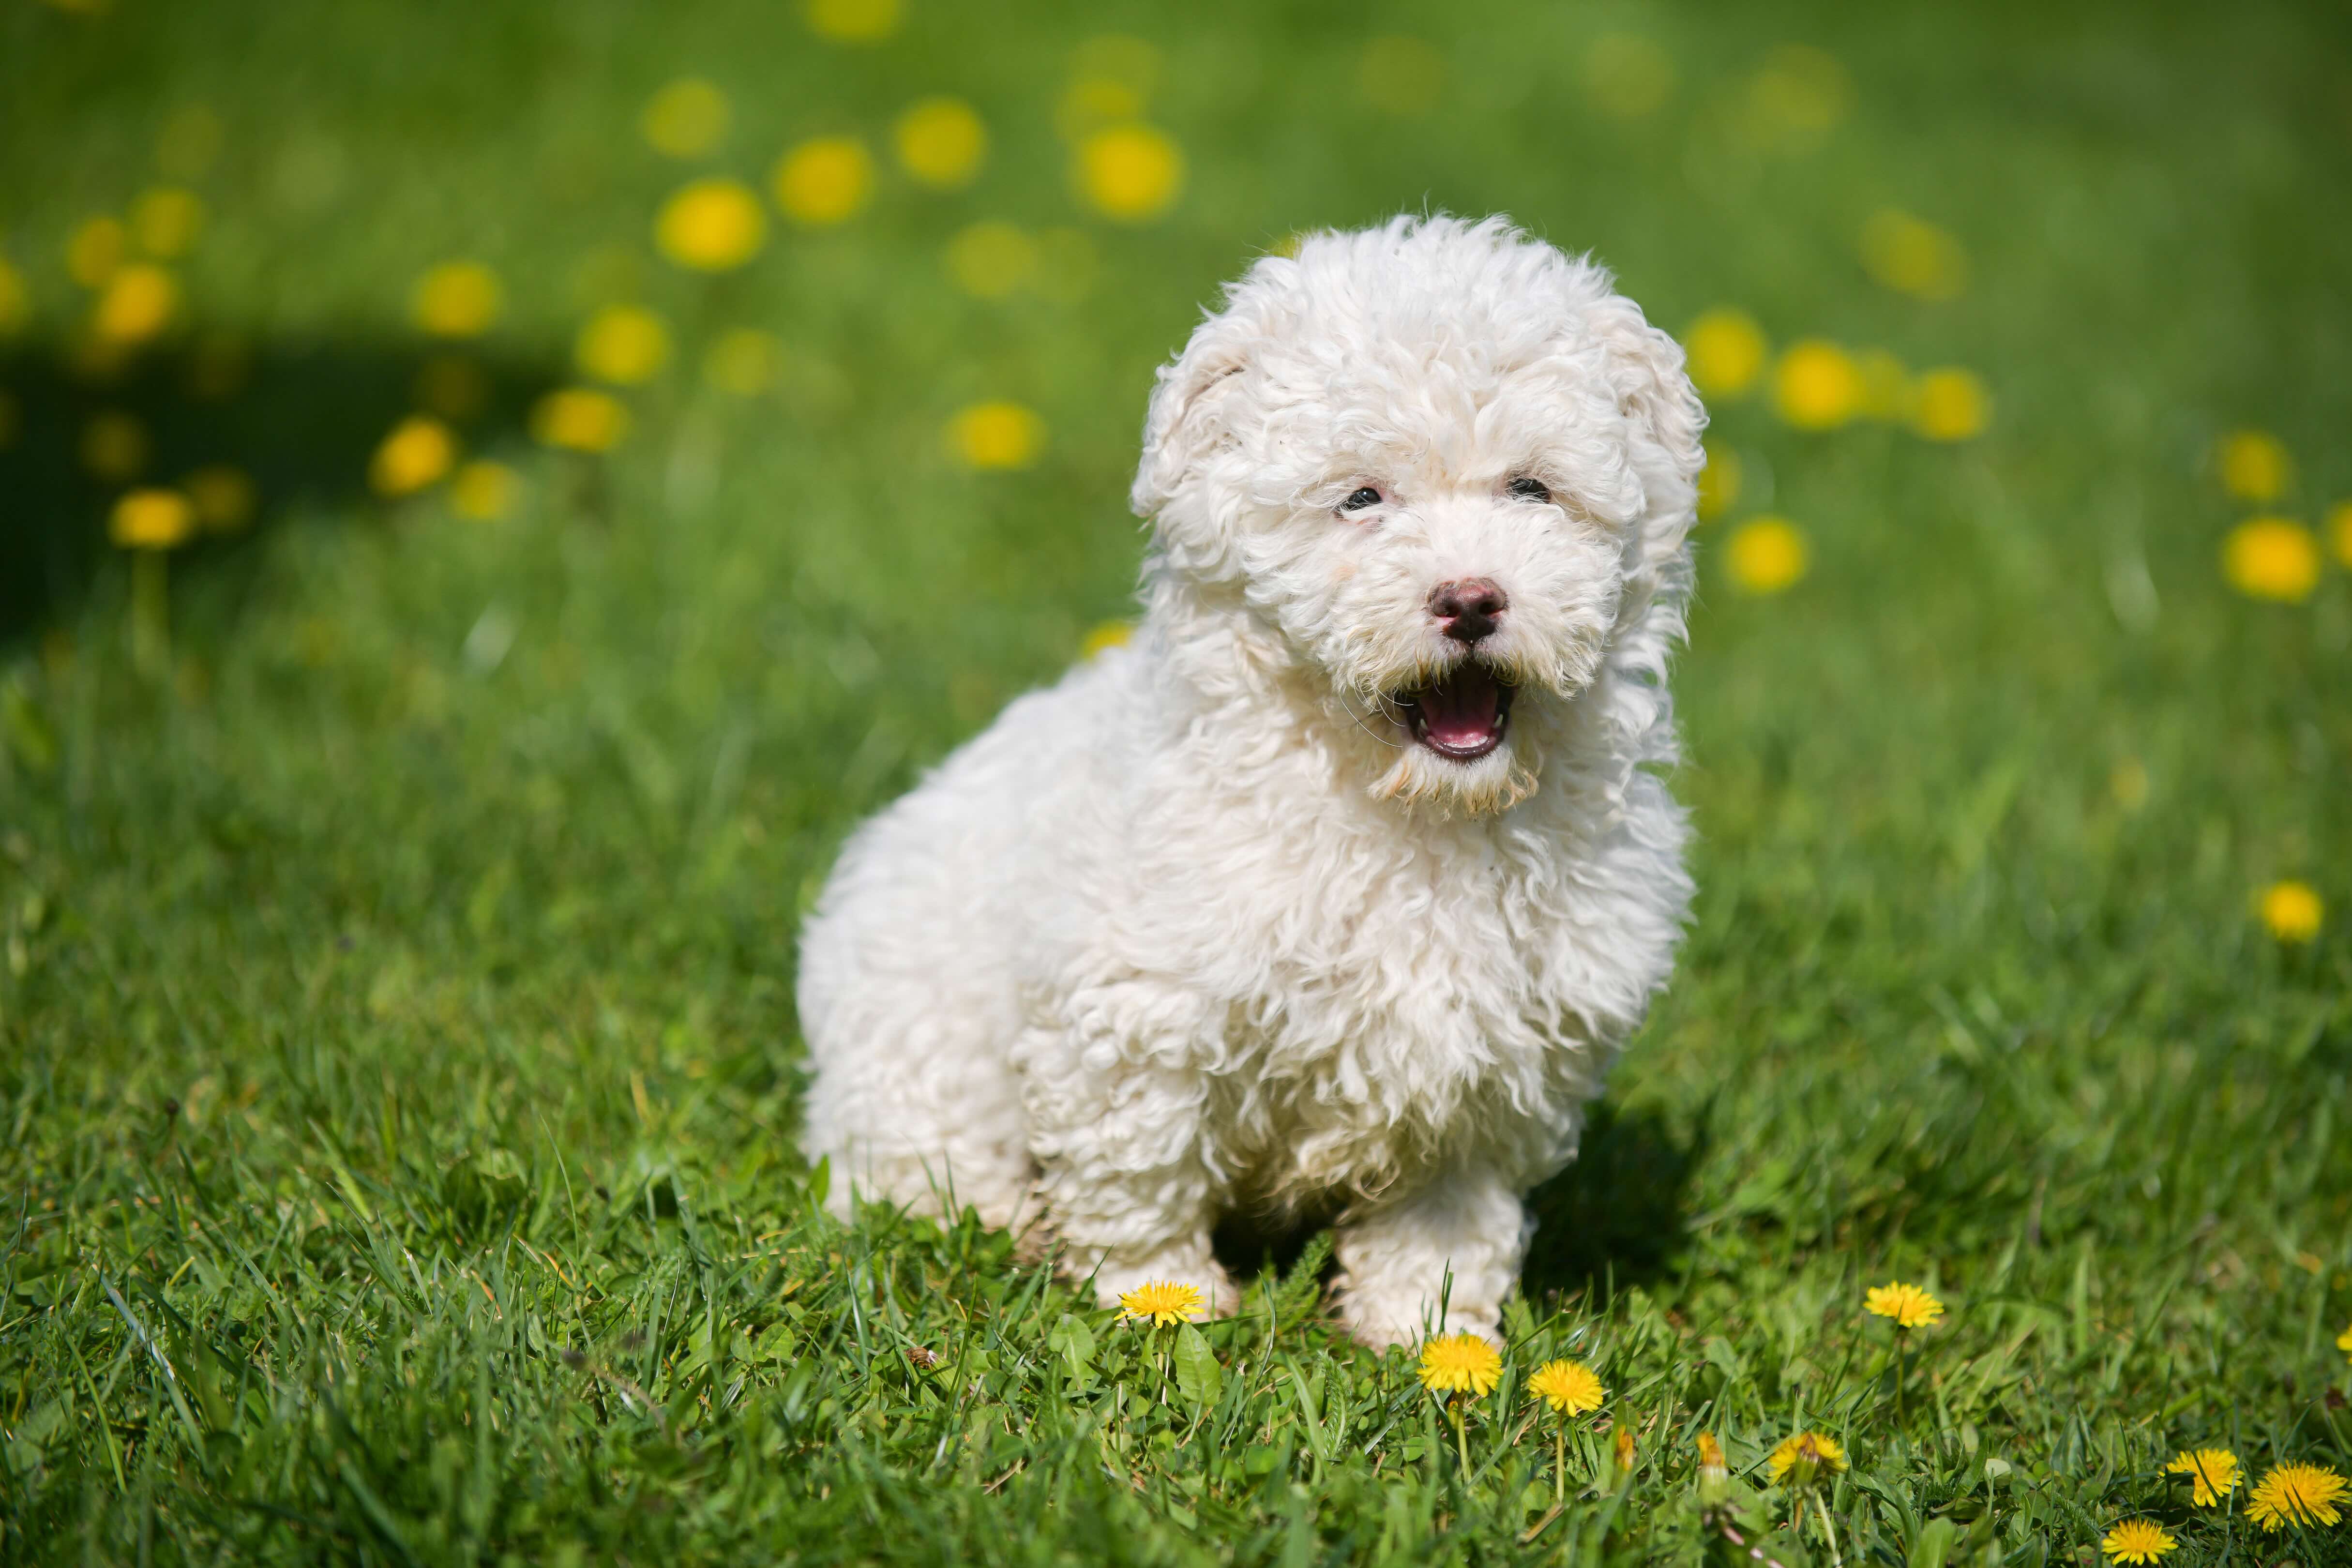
1318,892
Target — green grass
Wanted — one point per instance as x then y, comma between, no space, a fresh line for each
397,1061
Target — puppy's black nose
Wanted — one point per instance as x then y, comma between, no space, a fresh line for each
1467,610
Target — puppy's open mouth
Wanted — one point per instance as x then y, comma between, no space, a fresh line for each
1464,715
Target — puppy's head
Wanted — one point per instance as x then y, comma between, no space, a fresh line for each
1450,470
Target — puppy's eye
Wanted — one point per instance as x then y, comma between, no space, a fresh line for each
1528,488
1362,498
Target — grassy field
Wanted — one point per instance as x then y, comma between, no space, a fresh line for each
397,1061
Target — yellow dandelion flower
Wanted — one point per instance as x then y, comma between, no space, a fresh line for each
996,436
625,344
419,450
1401,76
2344,1341
483,491
1803,1458
455,299
1627,77
823,182
114,447
138,302
579,419
1624,1444
854,21
2272,558
1912,256
95,250
15,299
941,143
223,495
710,226
1106,637
2253,465
1908,1305
2213,1473
1711,1465
1816,386
743,361
1726,352
2137,1541
1569,1387
1460,1363
1719,482
1128,173
1766,556
1164,1301
2293,910
151,519
990,259
167,220
2302,1495
1950,405
685,119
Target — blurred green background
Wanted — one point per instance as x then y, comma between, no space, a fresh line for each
490,495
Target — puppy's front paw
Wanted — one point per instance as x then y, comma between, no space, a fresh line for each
1218,1297
1380,1319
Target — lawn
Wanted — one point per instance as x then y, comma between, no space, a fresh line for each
399,872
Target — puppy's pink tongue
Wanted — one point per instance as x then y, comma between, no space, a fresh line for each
1462,713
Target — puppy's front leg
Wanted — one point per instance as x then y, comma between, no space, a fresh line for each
1396,1261
1116,1118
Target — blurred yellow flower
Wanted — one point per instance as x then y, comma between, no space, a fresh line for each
1711,1465
1804,1457
1627,77
114,447
1569,1387
223,496
2253,465
824,181
455,299
15,299
990,259
2300,1495
1719,482
711,225
685,119
996,436
941,143
1106,637
1766,556
2128,783
2137,1541
2344,1341
1401,75
743,361
1912,256
1162,1301
167,220
2272,558
2293,910
1951,405
1726,347
2213,1473
1816,386
137,303
451,385
579,419
1129,173
2339,516
625,344
1460,1363
419,450
1796,99
854,21
95,250
483,491
1887,391
1909,1306
151,519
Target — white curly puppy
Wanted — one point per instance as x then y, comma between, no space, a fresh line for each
1343,882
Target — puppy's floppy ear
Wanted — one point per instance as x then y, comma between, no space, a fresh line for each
1186,419
1645,370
